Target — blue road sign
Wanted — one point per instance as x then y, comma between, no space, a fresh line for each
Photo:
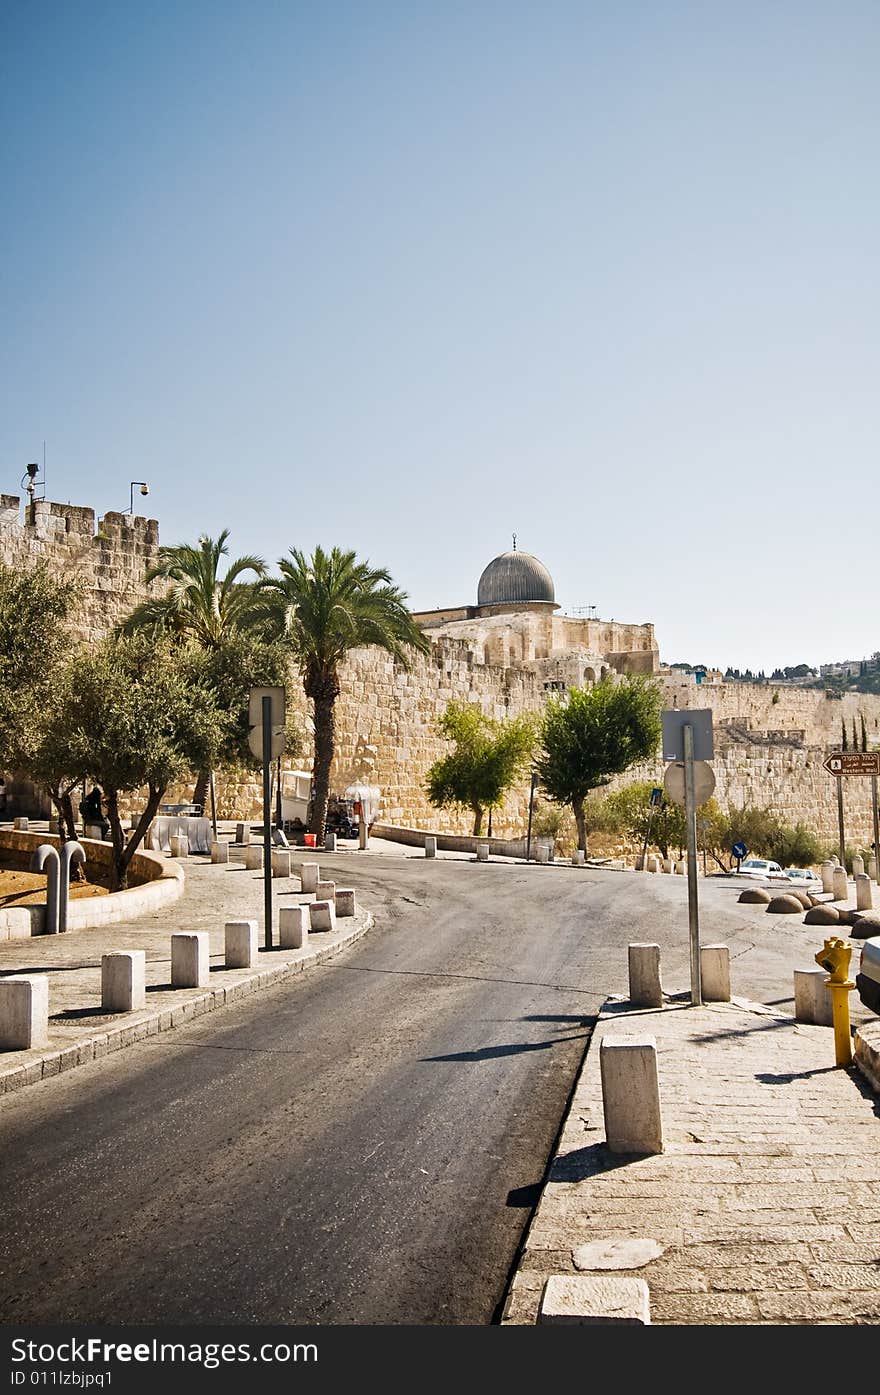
656,797
739,850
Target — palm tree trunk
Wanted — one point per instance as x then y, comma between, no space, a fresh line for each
325,746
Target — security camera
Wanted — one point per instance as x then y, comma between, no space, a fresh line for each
145,489
33,471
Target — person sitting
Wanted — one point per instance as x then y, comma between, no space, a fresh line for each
92,810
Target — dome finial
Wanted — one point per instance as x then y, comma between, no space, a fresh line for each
514,542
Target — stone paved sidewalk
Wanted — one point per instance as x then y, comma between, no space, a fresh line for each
766,1199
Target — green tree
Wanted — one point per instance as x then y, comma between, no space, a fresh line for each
489,757
594,734
35,608
322,607
632,810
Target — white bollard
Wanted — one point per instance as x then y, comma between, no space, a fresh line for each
280,862
190,959
179,845
579,858
240,943
588,1299
24,1012
219,852
243,834
667,865
362,833
308,876
872,867
329,842
21,824
325,891
835,860
827,873
858,865
864,901
653,863
430,845
322,915
293,927
644,976
253,857
715,973
841,886
631,1094
681,867
812,998
124,980
482,852
346,903
542,853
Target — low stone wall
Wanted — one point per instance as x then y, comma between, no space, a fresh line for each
458,842
160,883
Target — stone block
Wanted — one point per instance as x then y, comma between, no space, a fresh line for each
124,980
345,901
812,999
785,905
482,852
280,862
329,842
240,939
179,845
681,868
308,875
872,867
325,891
21,824
322,915
253,857
644,975
293,927
542,853
24,1012
578,858
243,833
826,872
653,863
93,830
219,852
594,1299
430,845
858,865
864,900
715,973
631,1094
190,959
840,885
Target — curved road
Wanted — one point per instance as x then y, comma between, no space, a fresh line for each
360,1145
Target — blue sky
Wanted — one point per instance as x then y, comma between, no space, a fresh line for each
409,277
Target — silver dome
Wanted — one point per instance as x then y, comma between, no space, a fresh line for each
515,578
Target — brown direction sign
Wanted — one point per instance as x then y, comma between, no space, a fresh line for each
852,763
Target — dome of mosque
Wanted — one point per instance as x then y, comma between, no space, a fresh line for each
515,578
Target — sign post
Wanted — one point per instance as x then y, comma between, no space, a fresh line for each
266,718
689,742
690,815
739,851
876,830
840,763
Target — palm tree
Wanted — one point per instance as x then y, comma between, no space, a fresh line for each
322,607
199,604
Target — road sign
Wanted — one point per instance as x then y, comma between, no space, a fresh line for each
699,719
852,763
255,721
656,798
704,781
739,851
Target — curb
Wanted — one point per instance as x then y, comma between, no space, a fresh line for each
53,1062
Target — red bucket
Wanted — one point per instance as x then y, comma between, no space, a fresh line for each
310,840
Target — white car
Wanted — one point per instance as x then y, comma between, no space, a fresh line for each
804,877
760,867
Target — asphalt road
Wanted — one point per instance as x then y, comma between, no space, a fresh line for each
362,1144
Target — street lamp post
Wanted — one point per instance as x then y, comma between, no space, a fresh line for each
145,489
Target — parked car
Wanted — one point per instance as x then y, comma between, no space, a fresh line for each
760,867
804,877
868,979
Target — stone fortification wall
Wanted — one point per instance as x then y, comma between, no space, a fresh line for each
111,555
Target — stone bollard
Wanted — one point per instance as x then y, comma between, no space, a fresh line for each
190,959
430,845
588,1299
308,875
639,864
631,1094
94,831
21,824
681,867
482,852
579,858
835,860
644,976
329,842
858,865
812,999
542,853
322,915
362,833
653,863
345,902
219,852
179,845
840,888
872,867
293,927
24,1012
243,833
124,980
864,900
280,862
715,973
325,891
668,865
240,943
253,857
826,872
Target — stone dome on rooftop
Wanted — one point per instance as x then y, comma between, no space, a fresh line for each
515,578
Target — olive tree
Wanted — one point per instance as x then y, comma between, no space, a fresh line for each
489,756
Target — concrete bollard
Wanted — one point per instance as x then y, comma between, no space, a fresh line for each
631,1094
179,845
95,831
835,860
219,852
280,862
308,875
240,943
124,980
644,976
668,866
293,927
362,833
482,852
542,853
190,959
329,842
253,857
681,867
639,864
715,973
826,871
24,1012
812,999
243,834
345,901
579,858
588,1299
653,863
325,891
858,865
864,901
872,867
21,824
840,887
430,845
322,915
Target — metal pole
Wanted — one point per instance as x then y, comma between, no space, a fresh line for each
647,836
876,828
213,808
278,793
531,807
690,814
840,821
267,821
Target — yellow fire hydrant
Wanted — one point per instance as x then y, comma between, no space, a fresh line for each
834,957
